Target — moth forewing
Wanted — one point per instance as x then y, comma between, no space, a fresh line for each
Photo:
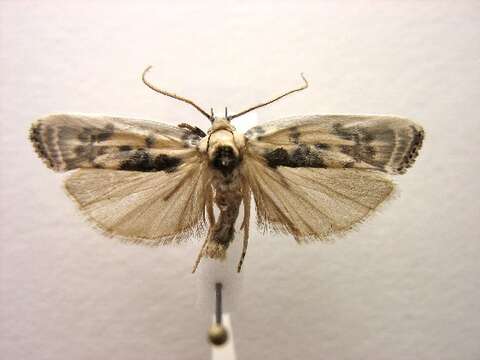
384,143
70,141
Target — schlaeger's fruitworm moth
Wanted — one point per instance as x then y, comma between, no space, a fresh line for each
148,182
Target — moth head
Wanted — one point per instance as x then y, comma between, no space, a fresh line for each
221,123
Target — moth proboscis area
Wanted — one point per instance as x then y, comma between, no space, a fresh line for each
310,176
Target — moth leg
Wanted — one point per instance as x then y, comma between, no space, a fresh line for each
211,221
244,250
247,195
193,129
209,206
200,254
245,225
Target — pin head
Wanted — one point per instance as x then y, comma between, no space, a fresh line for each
217,334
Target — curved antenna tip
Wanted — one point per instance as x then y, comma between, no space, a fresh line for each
147,69
304,79
273,100
169,94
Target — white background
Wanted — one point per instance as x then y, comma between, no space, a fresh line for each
406,285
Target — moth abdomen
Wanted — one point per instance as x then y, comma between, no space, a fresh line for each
220,240
222,234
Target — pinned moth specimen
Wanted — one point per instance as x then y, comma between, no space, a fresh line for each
310,176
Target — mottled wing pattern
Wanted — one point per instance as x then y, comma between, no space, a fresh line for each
67,141
318,175
140,180
313,203
386,143
153,208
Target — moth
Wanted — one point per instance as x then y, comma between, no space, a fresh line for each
148,182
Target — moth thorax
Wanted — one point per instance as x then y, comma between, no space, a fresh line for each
225,159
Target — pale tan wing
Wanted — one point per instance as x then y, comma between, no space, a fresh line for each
140,180
313,203
69,141
385,143
149,207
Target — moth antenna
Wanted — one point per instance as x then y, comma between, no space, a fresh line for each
172,95
226,113
273,100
